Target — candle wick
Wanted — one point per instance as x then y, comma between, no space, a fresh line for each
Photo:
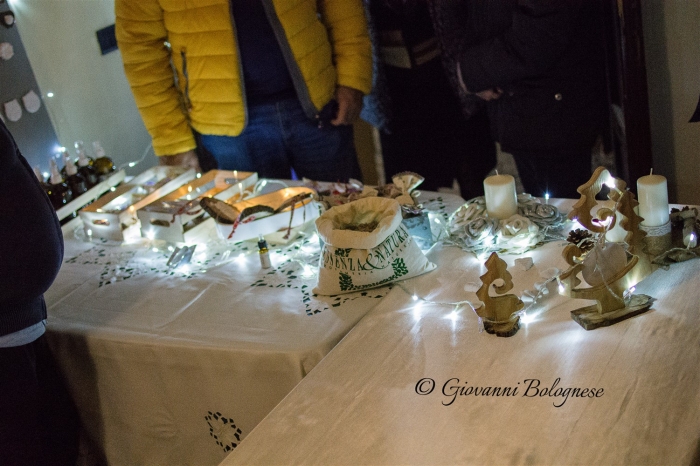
651,172
496,172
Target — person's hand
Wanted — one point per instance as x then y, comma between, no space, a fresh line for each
349,105
490,94
184,159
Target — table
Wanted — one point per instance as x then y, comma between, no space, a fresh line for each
396,390
176,366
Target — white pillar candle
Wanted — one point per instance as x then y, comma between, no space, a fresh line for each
653,200
501,199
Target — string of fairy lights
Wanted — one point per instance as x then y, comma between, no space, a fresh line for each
304,250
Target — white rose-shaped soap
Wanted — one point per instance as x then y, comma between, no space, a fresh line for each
518,232
543,215
466,214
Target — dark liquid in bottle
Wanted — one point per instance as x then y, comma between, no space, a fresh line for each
104,166
77,184
90,174
59,195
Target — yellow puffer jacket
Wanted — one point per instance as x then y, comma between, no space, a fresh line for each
327,39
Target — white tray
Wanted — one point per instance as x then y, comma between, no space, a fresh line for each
114,214
272,226
169,218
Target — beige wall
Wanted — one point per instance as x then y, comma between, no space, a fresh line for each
92,99
672,46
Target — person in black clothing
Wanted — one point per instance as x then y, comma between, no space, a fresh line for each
38,422
424,126
540,64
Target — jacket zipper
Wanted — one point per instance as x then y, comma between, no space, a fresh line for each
184,104
186,94
297,78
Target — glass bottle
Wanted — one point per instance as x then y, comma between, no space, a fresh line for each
59,192
74,180
85,167
103,164
264,253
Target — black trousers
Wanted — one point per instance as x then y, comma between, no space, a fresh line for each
38,420
558,174
429,134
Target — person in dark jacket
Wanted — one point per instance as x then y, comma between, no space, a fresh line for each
540,64
425,126
38,423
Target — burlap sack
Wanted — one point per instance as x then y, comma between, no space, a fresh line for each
353,260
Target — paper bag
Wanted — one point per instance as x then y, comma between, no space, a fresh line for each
366,246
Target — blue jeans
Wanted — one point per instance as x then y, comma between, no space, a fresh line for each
279,137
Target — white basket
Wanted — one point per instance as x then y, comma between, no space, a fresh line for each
272,226
114,215
177,217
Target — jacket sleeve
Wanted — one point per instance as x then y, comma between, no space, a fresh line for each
352,50
538,34
141,35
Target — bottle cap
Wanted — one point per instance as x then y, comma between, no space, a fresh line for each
55,174
99,151
262,244
70,166
83,160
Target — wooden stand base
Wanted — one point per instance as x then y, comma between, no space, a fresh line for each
589,318
503,330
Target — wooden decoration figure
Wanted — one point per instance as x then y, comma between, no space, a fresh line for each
605,219
612,304
581,211
499,313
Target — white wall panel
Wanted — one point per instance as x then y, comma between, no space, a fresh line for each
91,97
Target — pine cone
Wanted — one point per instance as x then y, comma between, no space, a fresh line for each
581,238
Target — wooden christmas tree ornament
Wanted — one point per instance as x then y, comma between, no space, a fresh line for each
612,290
499,313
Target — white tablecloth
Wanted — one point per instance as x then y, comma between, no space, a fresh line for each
173,367
361,403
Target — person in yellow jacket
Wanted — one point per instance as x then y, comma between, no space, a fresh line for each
261,85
